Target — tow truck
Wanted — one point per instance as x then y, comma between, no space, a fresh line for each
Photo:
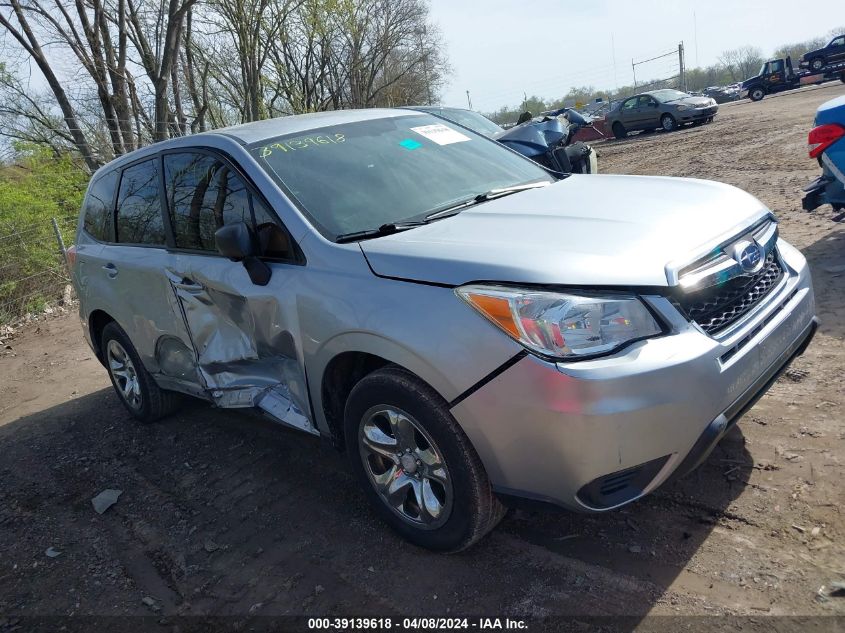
777,75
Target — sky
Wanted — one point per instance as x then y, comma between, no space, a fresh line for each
499,49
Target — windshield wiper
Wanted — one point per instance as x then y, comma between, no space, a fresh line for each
384,229
451,209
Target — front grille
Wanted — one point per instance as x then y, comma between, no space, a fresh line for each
718,307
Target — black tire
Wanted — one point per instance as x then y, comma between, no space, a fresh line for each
842,77
816,64
668,123
154,402
619,130
474,509
756,93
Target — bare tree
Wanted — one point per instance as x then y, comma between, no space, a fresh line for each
157,34
742,62
146,70
17,23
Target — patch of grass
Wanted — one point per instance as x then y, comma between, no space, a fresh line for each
37,187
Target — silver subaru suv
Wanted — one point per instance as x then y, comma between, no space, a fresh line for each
471,329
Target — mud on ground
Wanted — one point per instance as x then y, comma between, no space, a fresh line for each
227,514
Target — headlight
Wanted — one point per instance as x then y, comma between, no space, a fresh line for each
563,325
681,108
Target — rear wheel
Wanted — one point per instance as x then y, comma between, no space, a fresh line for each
140,394
842,78
619,130
417,467
755,94
668,122
817,63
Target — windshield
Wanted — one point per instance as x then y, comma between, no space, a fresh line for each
359,176
474,121
664,96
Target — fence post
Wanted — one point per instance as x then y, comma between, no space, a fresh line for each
61,242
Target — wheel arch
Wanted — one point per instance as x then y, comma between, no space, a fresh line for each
346,359
97,321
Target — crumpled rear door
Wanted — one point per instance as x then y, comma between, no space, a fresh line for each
242,336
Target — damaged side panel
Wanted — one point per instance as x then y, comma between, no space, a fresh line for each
243,353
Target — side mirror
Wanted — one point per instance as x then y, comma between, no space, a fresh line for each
237,242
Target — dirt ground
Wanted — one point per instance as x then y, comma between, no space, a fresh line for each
228,514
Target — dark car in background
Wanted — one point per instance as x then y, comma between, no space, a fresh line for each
547,139
666,108
830,54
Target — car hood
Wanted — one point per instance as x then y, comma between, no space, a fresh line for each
693,102
593,230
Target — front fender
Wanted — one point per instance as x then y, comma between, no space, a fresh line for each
376,345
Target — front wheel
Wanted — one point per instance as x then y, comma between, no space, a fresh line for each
756,94
417,467
619,130
817,63
668,122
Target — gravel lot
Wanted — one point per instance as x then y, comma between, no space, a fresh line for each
228,514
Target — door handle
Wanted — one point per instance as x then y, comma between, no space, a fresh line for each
111,270
187,284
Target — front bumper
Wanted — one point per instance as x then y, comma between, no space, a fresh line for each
698,114
597,434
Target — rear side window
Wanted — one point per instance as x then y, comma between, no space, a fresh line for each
98,207
139,205
204,194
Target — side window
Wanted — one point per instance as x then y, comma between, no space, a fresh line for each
204,194
645,101
139,205
839,41
272,238
630,103
98,208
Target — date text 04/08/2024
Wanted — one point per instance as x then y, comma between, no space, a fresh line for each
386,624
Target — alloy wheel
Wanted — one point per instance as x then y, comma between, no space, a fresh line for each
405,467
124,373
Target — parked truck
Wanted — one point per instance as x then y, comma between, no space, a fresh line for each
777,75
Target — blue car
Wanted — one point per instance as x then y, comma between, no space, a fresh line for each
827,145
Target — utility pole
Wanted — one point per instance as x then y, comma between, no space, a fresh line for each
634,68
682,78
695,31
613,52
469,101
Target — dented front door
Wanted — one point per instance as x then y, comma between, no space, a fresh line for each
243,336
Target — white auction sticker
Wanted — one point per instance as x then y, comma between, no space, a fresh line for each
441,134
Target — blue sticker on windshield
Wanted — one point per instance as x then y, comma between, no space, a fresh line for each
410,143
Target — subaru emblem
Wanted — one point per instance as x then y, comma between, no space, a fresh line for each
749,255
